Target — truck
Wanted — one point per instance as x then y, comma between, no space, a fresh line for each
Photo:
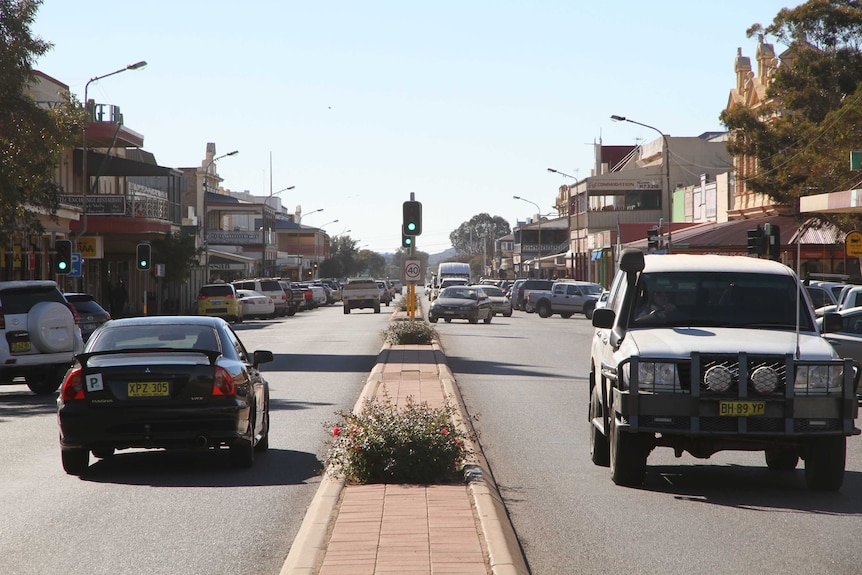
565,298
705,353
447,271
359,293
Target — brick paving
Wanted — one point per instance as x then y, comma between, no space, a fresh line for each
383,529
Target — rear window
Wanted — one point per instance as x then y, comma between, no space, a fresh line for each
87,306
210,291
15,301
243,285
270,285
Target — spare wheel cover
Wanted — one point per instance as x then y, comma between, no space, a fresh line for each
51,327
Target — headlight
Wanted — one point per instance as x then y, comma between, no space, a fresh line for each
655,376
765,379
818,379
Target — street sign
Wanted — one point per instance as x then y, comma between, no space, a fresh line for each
853,244
77,262
412,270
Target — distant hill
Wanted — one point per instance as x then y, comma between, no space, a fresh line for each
434,259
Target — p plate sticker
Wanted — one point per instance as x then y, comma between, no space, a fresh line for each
94,382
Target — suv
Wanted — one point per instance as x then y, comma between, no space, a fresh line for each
268,287
705,353
519,293
219,300
40,334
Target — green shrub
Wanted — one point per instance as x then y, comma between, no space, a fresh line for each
383,444
409,332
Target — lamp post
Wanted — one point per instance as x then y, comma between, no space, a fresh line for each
539,212
665,161
317,244
301,215
205,207
86,178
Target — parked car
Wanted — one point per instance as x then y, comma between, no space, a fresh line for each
360,293
566,297
90,314
163,382
39,334
295,296
500,304
219,300
461,302
847,340
255,304
271,288
385,294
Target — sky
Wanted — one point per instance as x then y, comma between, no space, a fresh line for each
362,105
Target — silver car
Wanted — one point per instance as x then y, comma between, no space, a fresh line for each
499,302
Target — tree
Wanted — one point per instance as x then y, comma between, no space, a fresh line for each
342,257
31,137
476,236
179,254
370,263
802,136
397,262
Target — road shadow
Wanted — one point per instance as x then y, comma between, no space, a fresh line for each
755,488
460,365
203,468
321,363
18,401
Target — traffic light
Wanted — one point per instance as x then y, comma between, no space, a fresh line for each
407,241
412,224
652,238
63,263
143,260
315,265
772,240
756,241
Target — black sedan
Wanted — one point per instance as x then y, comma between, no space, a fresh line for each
161,383
461,302
90,314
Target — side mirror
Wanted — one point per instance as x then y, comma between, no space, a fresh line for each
604,318
832,322
262,356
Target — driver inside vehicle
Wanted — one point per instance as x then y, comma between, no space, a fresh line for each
660,307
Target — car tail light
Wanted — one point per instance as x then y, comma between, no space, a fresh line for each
202,297
2,319
223,384
74,311
73,386
230,296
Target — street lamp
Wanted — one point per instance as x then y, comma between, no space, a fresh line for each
86,187
301,215
539,212
279,191
665,161
205,207
553,171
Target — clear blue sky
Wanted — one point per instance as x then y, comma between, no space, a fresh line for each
359,104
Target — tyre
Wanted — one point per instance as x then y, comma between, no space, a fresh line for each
600,453
432,319
543,309
474,318
291,312
488,319
103,452
589,309
824,463
566,314
76,460
448,320
346,310
628,456
51,327
508,314
46,380
781,459
263,443
241,453
377,308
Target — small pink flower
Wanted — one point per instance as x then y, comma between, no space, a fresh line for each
356,447
336,431
355,430
444,431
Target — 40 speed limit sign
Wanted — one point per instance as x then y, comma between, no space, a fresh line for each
412,270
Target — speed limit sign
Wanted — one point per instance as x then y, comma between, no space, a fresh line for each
412,270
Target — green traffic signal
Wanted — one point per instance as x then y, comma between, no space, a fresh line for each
63,263
411,224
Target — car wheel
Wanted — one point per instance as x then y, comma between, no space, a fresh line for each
432,319
474,318
263,443
824,463
76,460
377,308
448,320
291,312
599,449
241,453
488,319
566,314
781,459
508,314
45,381
103,452
628,456
346,310
589,309
544,309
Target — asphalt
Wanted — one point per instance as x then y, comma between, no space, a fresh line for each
461,529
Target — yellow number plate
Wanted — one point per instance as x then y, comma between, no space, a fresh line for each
741,408
20,346
149,389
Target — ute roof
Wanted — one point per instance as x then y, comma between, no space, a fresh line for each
712,263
